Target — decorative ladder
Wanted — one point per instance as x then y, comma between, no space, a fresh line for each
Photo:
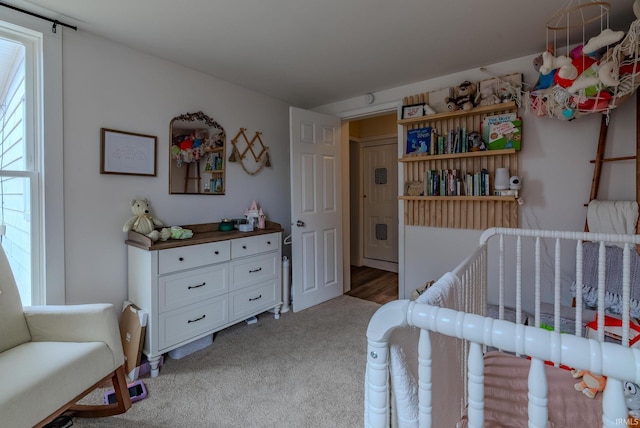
600,160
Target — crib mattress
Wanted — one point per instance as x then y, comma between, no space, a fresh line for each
505,392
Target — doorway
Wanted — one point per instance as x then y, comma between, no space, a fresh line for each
373,207
380,204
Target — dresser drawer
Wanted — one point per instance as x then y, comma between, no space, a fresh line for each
270,242
175,259
181,289
185,323
243,247
250,271
248,302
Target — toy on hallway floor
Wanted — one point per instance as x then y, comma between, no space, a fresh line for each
591,383
137,391
143,222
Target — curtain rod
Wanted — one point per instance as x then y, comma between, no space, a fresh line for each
55,21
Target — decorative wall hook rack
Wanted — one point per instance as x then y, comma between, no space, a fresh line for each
242,146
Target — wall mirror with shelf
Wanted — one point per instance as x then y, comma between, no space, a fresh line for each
196,155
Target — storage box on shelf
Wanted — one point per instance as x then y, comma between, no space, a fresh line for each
459,210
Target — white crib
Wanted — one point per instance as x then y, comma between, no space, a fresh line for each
449,366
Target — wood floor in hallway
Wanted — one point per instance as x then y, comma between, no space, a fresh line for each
375,285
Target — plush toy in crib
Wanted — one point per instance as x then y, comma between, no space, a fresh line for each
632,398
591,383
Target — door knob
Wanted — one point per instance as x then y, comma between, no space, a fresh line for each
300,223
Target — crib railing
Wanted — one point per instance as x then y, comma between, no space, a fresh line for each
462,318
542,238
469,297
616,362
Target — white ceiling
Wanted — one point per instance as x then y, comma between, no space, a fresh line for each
309,53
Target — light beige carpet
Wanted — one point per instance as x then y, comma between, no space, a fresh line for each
304,370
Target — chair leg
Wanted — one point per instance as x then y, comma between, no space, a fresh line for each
122,404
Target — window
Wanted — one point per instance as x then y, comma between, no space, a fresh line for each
15,204
30,134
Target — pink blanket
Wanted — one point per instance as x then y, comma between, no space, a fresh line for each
505,392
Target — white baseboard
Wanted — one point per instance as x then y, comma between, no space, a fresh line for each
381,264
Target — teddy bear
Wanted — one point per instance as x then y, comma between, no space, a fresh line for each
465,97
144,223
488,97
591,383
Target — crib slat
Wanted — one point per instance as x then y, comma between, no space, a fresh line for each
519,280
626,293
602,270
476,386
501,279
579,284
557,288
537,300
538,390
613,404
424,382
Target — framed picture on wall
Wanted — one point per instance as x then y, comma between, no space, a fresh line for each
127,153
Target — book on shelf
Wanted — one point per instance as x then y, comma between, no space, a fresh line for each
453,141
419,140
488,121
505,135
477,184
444,182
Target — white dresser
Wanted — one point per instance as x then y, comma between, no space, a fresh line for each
198,286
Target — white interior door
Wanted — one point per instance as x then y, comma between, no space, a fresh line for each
316,208
380,205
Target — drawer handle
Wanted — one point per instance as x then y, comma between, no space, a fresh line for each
255,298
216,252
244,247
255,270
268,242
196,286
196,320
181,259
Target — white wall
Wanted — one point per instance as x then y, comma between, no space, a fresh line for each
111,86
554,166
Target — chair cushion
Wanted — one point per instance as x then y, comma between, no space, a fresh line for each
13,327
37,378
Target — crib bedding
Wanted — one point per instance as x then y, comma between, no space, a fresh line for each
506,396
567,316
613,282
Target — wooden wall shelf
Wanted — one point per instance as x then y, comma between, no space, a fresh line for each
427,158
461,212
458,114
